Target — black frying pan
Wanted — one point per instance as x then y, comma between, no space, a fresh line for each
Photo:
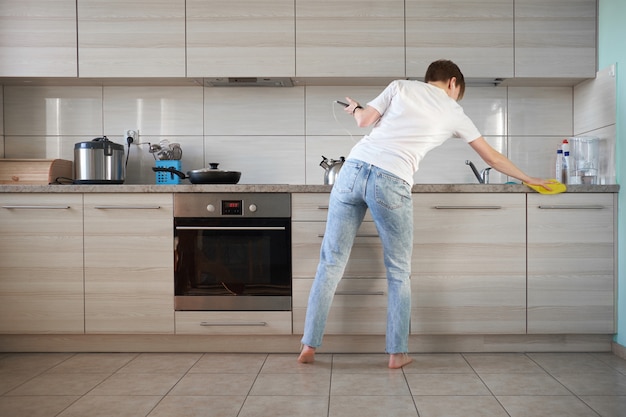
211,175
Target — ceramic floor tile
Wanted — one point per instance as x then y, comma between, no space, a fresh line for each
161,363
371,406
59,384
93,363
285,406
35,406
136,384
523,384
229,363
502,363
202,406
391,383
439,363
567,363
214,384
108,406
459,406
545,406
613,361
361,364
446,384
10,381
33,363
291,384
607,406
612,383
287,364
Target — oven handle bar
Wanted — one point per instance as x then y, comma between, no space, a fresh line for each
243,323
230,228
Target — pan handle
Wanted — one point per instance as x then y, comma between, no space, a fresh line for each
171,170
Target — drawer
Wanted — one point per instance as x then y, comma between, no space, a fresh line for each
312,207
233,322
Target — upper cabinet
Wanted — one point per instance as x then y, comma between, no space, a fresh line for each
38,38
243,38
131,38
477,35
555,38
350,38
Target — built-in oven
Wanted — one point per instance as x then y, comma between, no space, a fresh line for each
232,251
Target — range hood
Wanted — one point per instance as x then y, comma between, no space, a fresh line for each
248,82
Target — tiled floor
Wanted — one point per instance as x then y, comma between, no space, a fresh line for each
339,385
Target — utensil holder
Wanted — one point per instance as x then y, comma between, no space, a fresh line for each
168,177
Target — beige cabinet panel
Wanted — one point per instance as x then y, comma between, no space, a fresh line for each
137,38
571,263
243,38
349,38
359,306
477,36
38,38
41,263
469,264
233,322
129,263
555,38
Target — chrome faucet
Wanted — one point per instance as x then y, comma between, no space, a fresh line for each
482,176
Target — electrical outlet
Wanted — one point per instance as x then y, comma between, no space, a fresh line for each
130,136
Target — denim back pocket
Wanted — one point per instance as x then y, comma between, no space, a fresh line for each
392,192
347,176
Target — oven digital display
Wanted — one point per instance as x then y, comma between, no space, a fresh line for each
232,207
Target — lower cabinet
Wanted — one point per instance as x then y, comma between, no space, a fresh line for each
233,322
469,264
41,263
129,263
571,263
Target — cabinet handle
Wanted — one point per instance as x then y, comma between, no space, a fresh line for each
467,207
360,293
20,207
357,235
127,207
242,323
570,207
322,207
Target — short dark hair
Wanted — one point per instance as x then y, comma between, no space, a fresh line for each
443,70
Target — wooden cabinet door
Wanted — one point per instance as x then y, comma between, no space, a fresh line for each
555,38
129,263
131,38
41,263
469,264
571,263
240,38
38,38
477,36
350,38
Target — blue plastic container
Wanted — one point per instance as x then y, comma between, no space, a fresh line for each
168,178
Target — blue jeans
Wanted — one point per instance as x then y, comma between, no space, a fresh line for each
360,186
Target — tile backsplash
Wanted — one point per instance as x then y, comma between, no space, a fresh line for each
278,135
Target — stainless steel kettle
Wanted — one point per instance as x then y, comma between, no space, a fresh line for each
331,167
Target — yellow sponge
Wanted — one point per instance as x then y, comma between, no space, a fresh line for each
556,187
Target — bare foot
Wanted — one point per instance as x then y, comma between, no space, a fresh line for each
307,355
398,360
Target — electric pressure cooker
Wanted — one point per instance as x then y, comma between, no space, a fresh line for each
98,161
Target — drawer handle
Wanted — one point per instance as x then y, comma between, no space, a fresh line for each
127,207
322,207
467,207
360,293
241,323
20,207
570,207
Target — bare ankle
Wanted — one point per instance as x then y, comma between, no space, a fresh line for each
307,355
398,360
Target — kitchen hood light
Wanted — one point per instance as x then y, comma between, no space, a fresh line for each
248,82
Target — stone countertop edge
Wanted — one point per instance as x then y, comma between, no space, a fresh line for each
282,188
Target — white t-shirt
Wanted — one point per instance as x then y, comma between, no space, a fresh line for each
416,118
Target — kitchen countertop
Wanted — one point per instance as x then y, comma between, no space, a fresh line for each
283,188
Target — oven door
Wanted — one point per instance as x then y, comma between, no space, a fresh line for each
232,264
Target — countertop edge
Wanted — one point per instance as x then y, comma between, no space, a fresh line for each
282,188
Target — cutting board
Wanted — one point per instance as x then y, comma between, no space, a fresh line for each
34,171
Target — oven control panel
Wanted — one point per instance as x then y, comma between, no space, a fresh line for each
273,205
